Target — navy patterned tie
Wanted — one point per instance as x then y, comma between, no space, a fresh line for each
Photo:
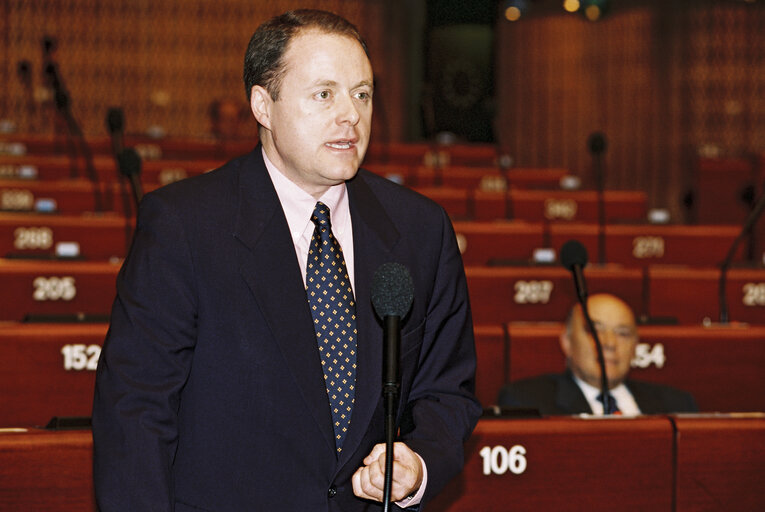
611,408
330,297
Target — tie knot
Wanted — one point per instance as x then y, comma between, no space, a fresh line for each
320,216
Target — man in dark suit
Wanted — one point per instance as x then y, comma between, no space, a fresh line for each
212,391
578,389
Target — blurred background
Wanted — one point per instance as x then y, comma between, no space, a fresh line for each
665,80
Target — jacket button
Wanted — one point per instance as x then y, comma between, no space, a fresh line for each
332,492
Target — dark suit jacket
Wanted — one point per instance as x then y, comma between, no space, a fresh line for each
555,394
209,391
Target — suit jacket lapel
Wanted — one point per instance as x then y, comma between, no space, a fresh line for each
271,270
374,237
569,398
648,402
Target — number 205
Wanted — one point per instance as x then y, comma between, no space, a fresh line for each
498,460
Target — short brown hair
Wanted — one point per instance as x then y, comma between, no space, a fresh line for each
264,60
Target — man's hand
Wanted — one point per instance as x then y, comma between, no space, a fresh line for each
407,474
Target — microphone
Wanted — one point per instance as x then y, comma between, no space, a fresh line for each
115,123
573,256
749,223
129,163
392,295
597,146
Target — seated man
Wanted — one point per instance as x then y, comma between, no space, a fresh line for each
578,389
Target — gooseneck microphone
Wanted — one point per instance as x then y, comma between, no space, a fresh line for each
392,295
573,256
597,146
74,132
749,223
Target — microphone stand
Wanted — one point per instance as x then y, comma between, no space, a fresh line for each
601,359
391,385
597,144
754,215
63,106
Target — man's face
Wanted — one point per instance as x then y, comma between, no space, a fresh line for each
617,332
317,132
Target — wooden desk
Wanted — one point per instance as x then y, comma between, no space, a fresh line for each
67,196
559,205
641,245
570,464
431,154
487,243
149,148
56,288
720,463
488,178
714,363
46,470
99,237
60,168
562,463
47,370
506,294
690,294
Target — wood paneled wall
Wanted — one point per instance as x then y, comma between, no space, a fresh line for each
165,61
664,80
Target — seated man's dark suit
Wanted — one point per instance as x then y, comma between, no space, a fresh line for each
559,394
210,393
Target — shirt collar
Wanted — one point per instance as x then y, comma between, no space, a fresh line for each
298,205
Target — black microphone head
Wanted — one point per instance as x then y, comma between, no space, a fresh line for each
597,143
115,120
573,253
129,162
392,290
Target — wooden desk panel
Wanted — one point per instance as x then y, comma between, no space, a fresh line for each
563,463
630,245
488,178
507,294
570,464
642,245
712,363
150,148
46,470
690,294
487,243
35,235
720,463
52,168
47,370
68,196
576,206
56,288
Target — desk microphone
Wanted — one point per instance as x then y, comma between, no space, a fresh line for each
749,223
392,295
573,256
